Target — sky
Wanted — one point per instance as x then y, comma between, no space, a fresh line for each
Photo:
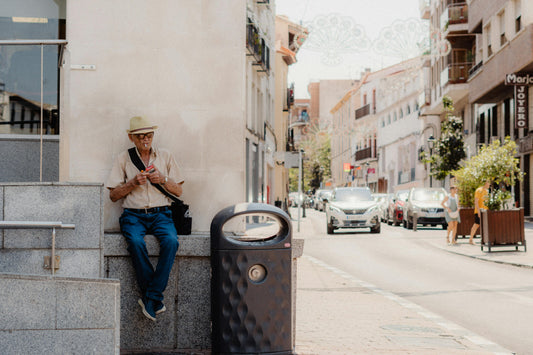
350,54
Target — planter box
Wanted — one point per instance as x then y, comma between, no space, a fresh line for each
467,221
502,228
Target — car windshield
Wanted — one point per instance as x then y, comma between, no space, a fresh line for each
353,195
402,196
428,195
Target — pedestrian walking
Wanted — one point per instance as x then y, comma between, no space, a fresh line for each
147,211
451,213
479,202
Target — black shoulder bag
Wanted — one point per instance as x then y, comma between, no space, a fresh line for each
180,211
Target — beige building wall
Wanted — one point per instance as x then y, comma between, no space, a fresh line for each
182,64
331,92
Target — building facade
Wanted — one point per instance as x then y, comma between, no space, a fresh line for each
203,74
289,38
504,30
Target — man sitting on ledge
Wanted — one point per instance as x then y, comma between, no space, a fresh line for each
146,210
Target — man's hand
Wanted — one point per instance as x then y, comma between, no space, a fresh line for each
141,178
156,177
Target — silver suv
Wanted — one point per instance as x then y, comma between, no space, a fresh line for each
352,207
425,203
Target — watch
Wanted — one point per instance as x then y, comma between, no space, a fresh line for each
165,181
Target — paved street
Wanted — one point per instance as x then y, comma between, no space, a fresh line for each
352,300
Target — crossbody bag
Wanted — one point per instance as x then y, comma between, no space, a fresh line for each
180,211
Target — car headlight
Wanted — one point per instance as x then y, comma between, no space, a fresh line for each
335,209
416,208
372,209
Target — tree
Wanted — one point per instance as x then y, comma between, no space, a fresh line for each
449,148
316,162
496,162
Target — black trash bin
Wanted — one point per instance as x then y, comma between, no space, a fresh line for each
251,295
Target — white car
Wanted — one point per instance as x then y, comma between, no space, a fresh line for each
425,202
352,207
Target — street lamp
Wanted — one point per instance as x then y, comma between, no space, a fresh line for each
431,144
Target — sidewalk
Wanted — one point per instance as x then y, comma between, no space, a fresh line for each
504,255
338,314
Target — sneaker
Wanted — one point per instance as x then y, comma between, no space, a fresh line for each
147,306
159,307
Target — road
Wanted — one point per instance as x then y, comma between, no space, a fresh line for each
490,299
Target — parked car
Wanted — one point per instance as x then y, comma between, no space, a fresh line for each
320,196
352,207
382,199
295,200
395,209
426,203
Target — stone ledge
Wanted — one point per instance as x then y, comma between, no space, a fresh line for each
190,245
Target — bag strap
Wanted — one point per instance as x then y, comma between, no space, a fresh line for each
140,165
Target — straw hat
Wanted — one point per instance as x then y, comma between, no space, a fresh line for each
139,125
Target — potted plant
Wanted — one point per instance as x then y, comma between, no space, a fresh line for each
494,162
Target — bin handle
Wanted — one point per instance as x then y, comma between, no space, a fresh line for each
227,213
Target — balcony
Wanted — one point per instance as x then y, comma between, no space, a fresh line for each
257,48
363,154
362,112
455,73
455,14
475,68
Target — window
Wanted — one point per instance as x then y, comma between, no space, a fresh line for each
401,113
388,119
488,40
408,109
518,15
501,18
20,65
395,117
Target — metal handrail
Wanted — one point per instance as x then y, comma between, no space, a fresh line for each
39,225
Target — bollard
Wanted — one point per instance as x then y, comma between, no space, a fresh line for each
415,221
251,281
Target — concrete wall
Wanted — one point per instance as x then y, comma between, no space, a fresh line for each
179,62
47,315
22,251
20,158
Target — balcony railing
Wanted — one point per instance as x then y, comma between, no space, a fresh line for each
475,68
454,14
257,47
365,153
362,112
455,73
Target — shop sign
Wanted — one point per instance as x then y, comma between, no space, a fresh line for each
521,82
519,79
521,106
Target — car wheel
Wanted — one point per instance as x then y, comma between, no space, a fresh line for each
445,226
376,229
330,229
389,222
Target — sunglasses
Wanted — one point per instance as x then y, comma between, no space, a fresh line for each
141,136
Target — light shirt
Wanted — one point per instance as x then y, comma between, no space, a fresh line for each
480,194
143,196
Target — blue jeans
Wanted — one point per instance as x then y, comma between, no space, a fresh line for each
134,227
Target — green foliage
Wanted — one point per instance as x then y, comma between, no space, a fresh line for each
494,162
316,165
449,148
495,199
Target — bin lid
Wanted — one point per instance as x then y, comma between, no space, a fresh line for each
251,226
